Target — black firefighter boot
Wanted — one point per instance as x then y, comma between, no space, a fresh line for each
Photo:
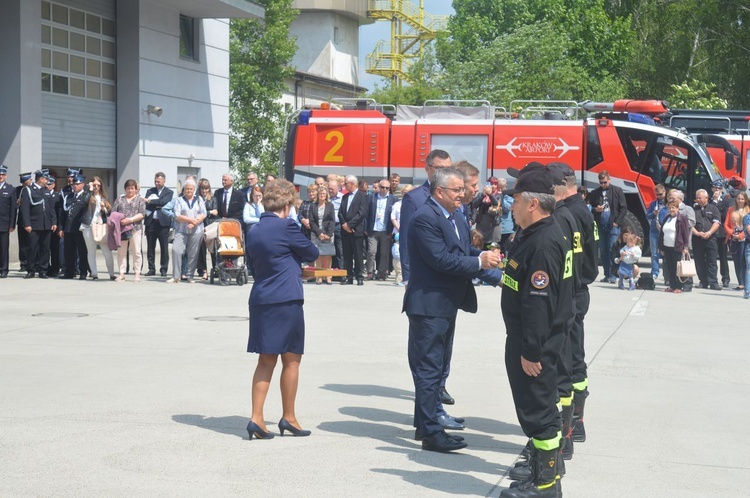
567,432
544,482
521,472
579,401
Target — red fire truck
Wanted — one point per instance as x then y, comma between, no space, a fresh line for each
623,138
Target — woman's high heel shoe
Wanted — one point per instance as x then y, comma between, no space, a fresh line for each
286,426
254,429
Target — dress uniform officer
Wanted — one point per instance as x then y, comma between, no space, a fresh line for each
536,306
8,209
588,274
62,208
23,236
39,220
73,241
55,242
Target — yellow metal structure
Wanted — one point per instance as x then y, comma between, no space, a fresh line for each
411,29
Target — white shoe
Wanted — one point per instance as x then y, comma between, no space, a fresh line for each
173,281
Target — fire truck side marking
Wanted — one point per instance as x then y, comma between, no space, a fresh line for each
347,120
538,147
331,156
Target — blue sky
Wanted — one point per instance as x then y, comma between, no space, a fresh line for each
381,30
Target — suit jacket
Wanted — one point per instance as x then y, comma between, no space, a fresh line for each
8,207
326,225
37,209
442,265
276,252
356,216
412,201
618,207
373,212
156,205
236,204
71,220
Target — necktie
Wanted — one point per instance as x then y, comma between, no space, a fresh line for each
226,201
455,227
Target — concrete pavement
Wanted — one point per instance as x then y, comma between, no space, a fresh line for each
124,389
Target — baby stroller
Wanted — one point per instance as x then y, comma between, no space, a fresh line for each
229,246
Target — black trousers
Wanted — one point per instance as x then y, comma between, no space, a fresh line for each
565,364
54,252
578,372
75,246
706,252
156,232
4,249
429,337
38,261
339,244
670,267
721,247
354,254
535,398
23,247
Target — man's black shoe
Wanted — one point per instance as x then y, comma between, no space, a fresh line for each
715,287
445,398
449,422
43,275
3,274
66,277
29,275
151,273
360,281
442,442
347,281
419,437
163,273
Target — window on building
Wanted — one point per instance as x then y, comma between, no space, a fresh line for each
78,53
189,38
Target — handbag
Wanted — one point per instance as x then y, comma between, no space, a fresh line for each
99,232
126,235
686,267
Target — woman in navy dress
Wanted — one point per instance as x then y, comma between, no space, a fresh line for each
277,323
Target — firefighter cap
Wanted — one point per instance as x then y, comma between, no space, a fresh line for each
3,169
560,171
41,173
25,177
534,177
74,171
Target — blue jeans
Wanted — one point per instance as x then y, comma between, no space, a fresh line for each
653,236
607,237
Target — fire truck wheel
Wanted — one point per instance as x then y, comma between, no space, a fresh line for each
631,221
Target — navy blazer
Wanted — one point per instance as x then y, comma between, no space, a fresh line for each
412,201
276,251
389,202
156,205
442,266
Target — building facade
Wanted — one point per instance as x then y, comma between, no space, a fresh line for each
122,89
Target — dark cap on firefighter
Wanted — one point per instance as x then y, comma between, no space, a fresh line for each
534,177
560,171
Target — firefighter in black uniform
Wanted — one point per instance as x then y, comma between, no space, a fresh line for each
39,220
23,235
589,273
536,306
70,226
572,233
8,208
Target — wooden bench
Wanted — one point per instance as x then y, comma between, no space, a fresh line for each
311,272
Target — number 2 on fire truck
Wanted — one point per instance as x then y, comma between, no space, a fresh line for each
332,156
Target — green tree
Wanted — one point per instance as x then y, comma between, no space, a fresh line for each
260,54
696,95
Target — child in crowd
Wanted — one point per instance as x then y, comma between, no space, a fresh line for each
477,240
396,253
629,256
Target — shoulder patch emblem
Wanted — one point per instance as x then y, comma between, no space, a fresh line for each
540,279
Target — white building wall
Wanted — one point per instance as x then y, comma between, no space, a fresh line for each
194,96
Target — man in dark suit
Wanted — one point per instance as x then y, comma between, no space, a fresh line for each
38,219
231,201
443,264
55,242
157,225
609,207
379,230
78,203
412,201
8,208
353,218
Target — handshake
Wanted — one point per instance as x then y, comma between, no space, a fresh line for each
489,260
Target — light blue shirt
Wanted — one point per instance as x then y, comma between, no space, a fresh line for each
379,225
